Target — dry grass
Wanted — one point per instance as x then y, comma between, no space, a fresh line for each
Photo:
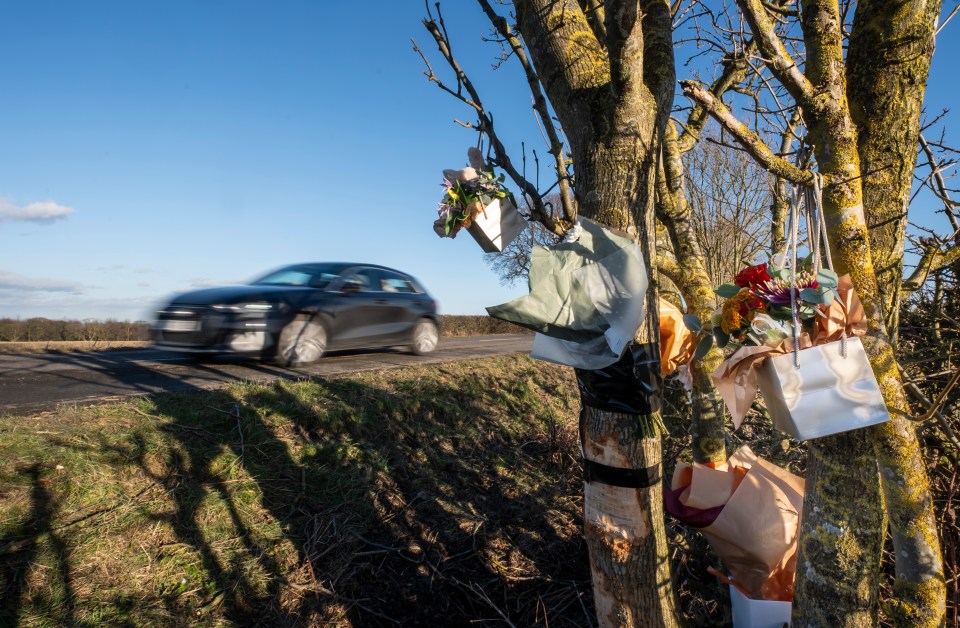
69,346
429,496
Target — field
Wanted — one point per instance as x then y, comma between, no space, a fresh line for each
427,496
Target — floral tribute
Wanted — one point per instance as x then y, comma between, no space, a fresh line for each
466,193
757,310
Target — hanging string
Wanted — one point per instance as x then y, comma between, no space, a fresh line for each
792,252
817,193
822,222
812,205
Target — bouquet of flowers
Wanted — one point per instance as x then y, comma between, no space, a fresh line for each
831,388
758,309
467,193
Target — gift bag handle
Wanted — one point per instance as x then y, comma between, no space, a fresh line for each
816,235
814,201
792,252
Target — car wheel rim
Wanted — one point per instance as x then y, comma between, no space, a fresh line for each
426,337
306,344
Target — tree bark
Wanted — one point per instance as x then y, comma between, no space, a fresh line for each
841,535
835,139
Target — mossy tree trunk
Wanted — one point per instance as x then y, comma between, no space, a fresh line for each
708,435
841,541
891,46
611,86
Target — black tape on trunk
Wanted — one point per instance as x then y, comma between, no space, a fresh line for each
631,385
616,476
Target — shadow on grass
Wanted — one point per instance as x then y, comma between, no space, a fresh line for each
435,496
20,549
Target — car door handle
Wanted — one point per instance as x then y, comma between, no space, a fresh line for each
381,302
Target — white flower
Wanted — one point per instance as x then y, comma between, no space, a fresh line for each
769,331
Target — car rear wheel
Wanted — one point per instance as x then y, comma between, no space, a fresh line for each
426,336
302,341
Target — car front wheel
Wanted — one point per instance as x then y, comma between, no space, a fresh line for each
426,336
301,341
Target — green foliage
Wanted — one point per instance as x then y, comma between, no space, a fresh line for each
691,322
703,347
727,290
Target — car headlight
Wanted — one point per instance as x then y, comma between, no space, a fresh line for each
250,308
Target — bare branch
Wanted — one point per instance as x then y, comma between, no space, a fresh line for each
933,259
751,142
775,54
540,106
734,72
942,191
596,16
782,10
484,123
947,19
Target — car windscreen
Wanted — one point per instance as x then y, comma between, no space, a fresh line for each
307,275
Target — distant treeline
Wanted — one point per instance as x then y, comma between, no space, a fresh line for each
457,325
47,330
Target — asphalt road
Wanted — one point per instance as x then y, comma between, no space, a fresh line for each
32,383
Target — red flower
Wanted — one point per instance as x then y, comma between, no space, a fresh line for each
752,276
749,308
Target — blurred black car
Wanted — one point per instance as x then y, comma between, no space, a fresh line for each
295,314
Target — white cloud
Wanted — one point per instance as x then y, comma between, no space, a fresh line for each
19,283
46,211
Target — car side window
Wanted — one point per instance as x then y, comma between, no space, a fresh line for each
321,280
392,282
366,279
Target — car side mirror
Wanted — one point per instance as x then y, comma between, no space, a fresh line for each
350,286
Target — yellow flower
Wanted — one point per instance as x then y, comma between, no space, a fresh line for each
743,304
731,319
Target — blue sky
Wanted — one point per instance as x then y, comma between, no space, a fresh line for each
153,147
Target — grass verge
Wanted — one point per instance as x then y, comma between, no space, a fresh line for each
435,495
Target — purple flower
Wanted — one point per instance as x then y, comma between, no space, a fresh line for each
777,291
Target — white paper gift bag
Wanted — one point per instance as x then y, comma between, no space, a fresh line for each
829,393
497,225
750,613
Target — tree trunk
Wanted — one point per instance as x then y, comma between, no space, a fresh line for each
612,98
906,487
841,535
891,46
623,527
708,434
